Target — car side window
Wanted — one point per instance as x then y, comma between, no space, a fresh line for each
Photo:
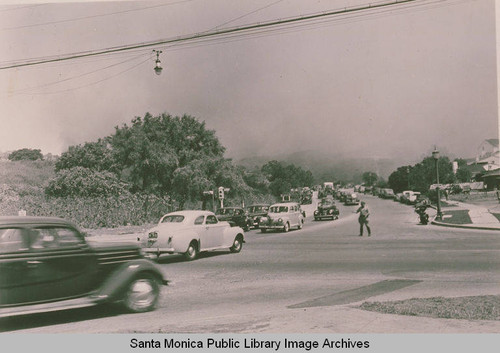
52,238
199,220
13,240
68,237
211,220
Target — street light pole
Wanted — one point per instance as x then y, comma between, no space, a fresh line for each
435,155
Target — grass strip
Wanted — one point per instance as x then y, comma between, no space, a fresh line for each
486,307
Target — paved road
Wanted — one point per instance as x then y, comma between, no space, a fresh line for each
303,280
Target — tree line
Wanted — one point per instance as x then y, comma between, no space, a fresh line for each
173,158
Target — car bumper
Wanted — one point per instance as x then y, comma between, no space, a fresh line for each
322,216
271,226
157,251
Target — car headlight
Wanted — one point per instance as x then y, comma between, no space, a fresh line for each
316,212
331,211
280,220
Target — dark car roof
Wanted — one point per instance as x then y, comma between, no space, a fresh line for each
25,221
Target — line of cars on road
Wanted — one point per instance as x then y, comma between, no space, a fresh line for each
46,264
408,197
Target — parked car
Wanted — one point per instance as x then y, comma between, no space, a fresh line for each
398,197
256,212
326,209
189,233
351,199
387,194
235,216
47,265
409,197
283,216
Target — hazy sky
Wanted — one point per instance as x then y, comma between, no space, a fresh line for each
389,83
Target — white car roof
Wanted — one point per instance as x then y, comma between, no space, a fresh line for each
189,214
285,204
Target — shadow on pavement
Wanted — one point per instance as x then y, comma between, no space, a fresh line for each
59,317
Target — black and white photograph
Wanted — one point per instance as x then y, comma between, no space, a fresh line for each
249,167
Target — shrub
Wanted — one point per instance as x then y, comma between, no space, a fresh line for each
80,181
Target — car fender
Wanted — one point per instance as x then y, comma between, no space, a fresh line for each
181,240
230,234
116,283
286,219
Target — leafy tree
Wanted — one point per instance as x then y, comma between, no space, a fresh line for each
381,183
370,178
256,180
26,154
282,178
92,155
463,174
153,148
207,174
422,175
80,181
399,179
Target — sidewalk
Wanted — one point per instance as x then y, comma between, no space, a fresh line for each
464,215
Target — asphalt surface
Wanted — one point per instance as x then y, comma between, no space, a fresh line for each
310,281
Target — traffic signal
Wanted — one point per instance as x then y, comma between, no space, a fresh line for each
221,192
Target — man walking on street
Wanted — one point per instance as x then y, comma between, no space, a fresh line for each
364,213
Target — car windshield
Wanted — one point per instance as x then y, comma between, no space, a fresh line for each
172,219
226,211
326,203
279,209
258,208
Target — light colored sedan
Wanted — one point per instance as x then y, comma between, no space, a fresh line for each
189,233
283,216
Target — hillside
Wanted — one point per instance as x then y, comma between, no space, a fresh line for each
328,166
22,179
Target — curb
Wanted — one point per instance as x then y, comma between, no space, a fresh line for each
463,226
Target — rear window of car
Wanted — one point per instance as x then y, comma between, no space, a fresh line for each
278,209
173,219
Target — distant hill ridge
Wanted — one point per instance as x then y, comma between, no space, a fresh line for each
328,166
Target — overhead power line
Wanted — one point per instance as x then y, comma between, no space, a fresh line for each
208,34
96,16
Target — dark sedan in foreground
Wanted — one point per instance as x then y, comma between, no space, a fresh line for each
46,265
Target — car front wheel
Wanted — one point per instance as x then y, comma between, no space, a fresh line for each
286,227
237,245
141,294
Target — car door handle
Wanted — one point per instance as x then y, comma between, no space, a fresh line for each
33,263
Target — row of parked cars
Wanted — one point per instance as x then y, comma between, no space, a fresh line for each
407,197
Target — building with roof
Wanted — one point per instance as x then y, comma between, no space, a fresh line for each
487,157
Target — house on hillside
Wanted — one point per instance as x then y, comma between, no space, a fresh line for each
487,157
488,148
